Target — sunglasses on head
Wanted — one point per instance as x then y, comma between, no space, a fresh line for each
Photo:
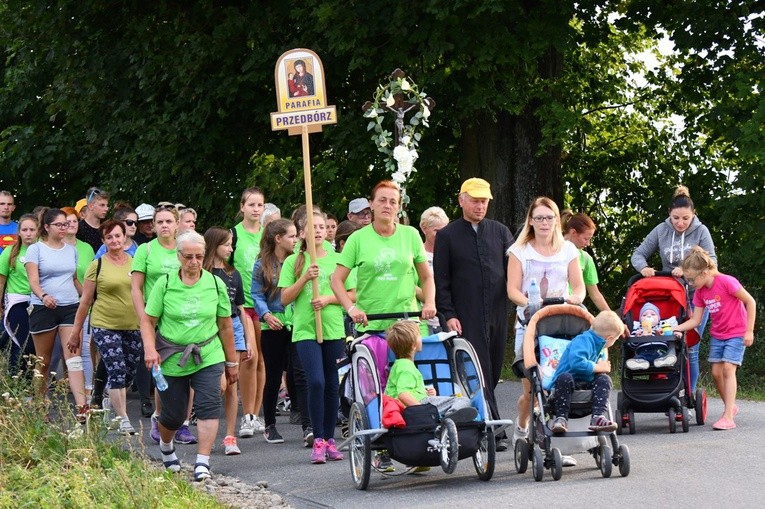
94,192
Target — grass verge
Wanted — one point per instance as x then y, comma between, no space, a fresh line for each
47,459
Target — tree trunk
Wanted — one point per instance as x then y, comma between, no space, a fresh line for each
504,149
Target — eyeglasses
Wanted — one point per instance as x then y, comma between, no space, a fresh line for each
93,192
65,224
692,279
190,257
363,213
542,219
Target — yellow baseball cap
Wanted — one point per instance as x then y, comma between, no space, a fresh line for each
476,188
80,204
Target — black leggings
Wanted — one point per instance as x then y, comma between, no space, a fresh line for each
278,354
565,385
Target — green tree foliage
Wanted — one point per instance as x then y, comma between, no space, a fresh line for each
170,100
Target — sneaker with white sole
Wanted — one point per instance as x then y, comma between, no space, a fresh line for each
125,427
559,425
247,426
229,446
666,361
272,436
568,461
308,437
637,364
519,433
260,426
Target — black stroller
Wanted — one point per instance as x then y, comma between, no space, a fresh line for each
662,389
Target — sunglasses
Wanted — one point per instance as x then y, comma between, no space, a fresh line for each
165,205
93,193
130,222
190,257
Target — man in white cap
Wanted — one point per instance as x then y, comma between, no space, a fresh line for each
145,231
359,211
470,269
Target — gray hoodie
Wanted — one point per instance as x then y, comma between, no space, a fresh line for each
673,247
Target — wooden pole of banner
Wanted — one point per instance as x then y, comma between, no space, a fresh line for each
310,244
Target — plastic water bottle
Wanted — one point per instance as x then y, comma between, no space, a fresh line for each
159,378
535,298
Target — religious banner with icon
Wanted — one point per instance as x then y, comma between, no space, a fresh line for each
300,93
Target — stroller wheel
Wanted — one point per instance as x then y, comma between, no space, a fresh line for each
624,460
686,414
521,455
485,457
450,446
631,417
360,447
538,464
605,461
672,416
556,469
701,406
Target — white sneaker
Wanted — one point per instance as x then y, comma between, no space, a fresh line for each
260,426
667,360
637,364
106,405
519,433
125,427
247,426
568,461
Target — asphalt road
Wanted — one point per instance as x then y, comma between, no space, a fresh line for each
702,468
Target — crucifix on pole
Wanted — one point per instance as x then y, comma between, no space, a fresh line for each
399,96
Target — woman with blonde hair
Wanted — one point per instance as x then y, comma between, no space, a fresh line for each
541,254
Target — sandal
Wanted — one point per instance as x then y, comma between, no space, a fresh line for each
171,465
201,472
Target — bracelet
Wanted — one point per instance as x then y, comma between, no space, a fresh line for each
43,296
231,364
350,308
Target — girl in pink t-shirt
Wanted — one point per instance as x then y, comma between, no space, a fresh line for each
732,311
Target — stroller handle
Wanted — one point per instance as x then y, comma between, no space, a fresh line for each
639,276
350,326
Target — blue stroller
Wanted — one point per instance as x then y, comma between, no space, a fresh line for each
448,363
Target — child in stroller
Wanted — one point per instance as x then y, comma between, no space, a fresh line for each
581,367
659,354
405,381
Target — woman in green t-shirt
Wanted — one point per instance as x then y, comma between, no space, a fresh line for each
15,286
195,336
247,236
319,360
579,229
389,257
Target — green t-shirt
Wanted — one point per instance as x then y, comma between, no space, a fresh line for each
245,255
85,255
589,272
386,276
154,261
304,324
188,314
113,308
16,278
405,377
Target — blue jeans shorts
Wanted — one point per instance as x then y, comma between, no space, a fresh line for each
239,343
729,350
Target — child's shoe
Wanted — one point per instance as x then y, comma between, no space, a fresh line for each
383,463
601,423
559,425
332,453
723,424
637,364
319,451
666,361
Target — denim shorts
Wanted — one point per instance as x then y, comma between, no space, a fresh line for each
239,342
728,350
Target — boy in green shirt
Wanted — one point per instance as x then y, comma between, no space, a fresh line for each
405,381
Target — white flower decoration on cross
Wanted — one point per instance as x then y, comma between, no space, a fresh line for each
400,95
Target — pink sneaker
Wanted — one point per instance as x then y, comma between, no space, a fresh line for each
723,424
319,451
332,453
